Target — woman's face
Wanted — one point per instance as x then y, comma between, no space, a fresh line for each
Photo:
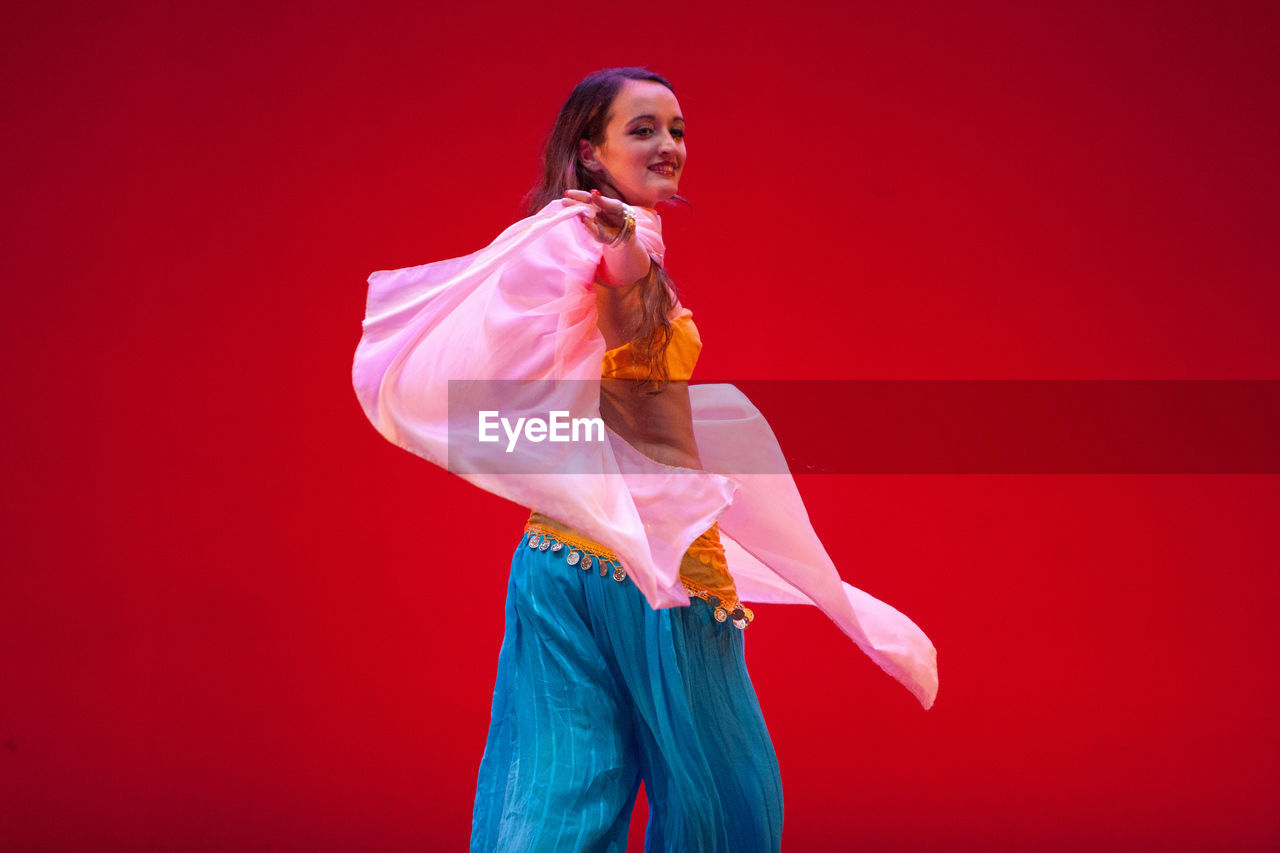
642,152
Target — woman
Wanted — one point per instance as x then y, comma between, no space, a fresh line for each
623,658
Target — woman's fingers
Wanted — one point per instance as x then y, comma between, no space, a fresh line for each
583,197
594,199
597,204
609,206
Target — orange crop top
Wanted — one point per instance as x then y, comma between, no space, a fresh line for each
622,362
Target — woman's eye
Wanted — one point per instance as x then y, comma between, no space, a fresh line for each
646,132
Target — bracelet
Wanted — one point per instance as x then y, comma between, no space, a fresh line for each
628,228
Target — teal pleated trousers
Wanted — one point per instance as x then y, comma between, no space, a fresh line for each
597,691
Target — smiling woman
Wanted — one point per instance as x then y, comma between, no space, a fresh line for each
603,684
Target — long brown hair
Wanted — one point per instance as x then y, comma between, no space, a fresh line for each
584,116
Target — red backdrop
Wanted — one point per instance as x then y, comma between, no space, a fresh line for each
235,618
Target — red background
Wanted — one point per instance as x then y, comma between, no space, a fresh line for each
235,618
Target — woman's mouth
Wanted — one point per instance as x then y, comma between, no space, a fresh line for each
665,169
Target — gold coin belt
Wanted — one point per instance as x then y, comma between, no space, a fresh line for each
586,554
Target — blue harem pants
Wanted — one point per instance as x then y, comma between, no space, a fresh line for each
596,691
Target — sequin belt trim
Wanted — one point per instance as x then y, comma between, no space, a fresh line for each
585,554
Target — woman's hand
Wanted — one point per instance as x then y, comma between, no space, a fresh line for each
623,262
605,217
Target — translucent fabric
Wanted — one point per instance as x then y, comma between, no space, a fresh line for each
595,691
522,311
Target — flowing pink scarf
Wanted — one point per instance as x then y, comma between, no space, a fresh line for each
518,318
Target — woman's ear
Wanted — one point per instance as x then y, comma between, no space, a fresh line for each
587,154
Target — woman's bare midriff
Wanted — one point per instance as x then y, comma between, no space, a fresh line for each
658,425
